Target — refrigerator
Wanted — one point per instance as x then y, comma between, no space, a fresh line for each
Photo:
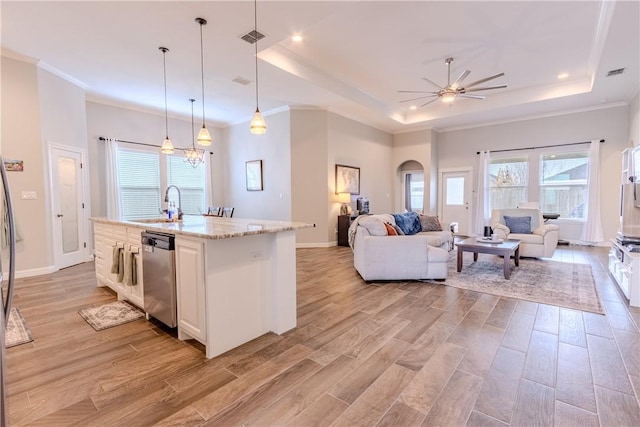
7,251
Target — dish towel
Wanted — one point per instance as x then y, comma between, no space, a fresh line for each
121,265
115,260
130,269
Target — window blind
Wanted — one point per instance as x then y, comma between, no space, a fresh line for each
139,184
191,182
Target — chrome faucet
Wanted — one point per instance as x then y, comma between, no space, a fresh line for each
166,199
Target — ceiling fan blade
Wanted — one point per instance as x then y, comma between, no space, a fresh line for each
460,79
463,95
420,97
416,91
485,80
434,84
465,90
427,103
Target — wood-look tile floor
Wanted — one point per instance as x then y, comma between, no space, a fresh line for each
392,354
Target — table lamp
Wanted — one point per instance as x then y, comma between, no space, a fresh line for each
345,199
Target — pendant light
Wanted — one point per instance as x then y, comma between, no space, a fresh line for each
193,155
204,138
258,126
167,146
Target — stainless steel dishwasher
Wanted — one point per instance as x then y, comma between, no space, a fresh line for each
159,276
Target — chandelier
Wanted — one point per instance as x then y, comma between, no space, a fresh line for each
193,155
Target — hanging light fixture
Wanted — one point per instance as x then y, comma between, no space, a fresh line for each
193,155
204,138
258,126
167,146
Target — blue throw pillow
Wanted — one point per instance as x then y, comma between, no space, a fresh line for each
409,222
518,224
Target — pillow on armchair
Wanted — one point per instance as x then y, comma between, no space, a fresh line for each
518,224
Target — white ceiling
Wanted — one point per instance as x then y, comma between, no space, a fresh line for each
355,57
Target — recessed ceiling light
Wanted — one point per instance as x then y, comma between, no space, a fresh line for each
563,76
413,107
296,38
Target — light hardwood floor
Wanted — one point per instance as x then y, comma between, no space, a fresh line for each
392,354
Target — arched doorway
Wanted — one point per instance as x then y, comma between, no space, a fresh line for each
411,173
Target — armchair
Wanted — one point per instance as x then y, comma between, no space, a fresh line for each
537,238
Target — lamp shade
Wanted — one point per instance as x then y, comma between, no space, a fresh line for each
167,146
204,137
258,125
344,198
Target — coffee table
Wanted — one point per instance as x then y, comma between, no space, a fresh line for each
504,248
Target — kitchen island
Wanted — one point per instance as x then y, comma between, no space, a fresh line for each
235,278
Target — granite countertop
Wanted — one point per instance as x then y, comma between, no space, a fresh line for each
210,227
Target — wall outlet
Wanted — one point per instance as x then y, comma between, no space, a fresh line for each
29,195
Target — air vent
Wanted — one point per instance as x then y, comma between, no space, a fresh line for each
241,81
615,72
252,36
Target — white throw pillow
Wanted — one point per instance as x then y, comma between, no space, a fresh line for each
374,225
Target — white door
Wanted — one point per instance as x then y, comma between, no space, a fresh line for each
68,207
456,199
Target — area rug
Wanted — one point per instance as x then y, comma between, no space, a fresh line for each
548,282
17,331
110,315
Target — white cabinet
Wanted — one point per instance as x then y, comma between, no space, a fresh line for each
625,269
191,293
106,236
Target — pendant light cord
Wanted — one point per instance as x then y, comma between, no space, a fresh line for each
202,22
255,29
193,135
166,113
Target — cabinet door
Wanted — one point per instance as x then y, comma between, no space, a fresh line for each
190,284
135,293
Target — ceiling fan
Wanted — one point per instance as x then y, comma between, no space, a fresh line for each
452,90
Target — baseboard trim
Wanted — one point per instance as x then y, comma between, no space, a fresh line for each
34,272
316,245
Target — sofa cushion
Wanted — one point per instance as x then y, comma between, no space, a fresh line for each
518,224
398,230
409,222
430,223
374,225
391,231
532,239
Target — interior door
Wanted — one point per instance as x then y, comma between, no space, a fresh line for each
68,207
456,199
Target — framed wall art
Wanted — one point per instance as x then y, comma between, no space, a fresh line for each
347,179
254,175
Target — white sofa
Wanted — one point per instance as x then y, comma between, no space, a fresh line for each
540,242
377,256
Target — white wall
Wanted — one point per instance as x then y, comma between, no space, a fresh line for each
309,180
458,149
131,125
420,146
274,149
634,120
354,144
21,140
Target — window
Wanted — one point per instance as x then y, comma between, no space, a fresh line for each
191,181
563,184
508,182
414,191
143,178
139,184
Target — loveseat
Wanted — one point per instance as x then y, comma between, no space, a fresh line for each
382,254
527,225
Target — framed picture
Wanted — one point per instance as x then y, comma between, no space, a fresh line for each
254,175
347,179
13,165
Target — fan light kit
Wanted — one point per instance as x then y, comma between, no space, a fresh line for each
453,90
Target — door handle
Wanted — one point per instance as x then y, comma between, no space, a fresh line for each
60,215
